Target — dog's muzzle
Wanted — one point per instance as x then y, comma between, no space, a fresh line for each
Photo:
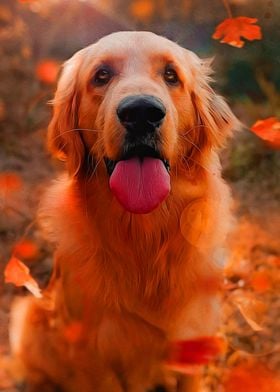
140,179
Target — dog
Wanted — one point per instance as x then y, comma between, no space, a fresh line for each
139,222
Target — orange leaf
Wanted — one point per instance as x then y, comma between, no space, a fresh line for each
10,182
261,281
251,378
17,273
268,130
231,30
142,9
25,249
184,354
47,71
73,332
251,309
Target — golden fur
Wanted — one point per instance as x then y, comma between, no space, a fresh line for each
129,283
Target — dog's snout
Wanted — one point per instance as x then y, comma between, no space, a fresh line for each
141,112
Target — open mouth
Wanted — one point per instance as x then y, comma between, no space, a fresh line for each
140,179
141,151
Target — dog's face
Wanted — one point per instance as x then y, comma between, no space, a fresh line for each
139,108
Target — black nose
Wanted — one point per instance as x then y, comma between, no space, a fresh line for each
141,112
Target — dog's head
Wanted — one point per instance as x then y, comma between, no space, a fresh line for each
138,108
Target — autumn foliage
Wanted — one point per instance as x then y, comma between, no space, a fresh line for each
251,378
186,355
9,182
25,249
232,30
269,131
18,273
142,9
47,71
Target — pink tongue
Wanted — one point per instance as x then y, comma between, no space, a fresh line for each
140,185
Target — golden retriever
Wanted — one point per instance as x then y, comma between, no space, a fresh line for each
139,222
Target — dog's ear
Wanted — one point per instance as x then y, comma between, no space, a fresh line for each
213,114
64,138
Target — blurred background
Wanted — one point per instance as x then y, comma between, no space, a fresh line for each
36,37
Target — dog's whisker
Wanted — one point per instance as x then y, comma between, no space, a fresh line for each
193,128
192,143
185,160
199,164
76,129
93,172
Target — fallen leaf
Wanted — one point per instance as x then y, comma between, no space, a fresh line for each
10,182
251,309
251,378
261,281
268,130
187,355
231,30
47,71
19,274
25,249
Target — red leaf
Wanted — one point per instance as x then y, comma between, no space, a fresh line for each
251,378
231,30
18,273
25,249
47,71
261,281
142,9
184,354
268,130
10,182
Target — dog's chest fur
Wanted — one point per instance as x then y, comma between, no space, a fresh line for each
127,264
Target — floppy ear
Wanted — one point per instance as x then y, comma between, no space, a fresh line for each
64,140
213,114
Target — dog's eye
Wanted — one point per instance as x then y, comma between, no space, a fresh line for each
170,76
102,76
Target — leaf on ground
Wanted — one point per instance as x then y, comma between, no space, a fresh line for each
231,30
47,71
268,130
251,378
10,182
261,281
251,309
186,355
18,273
26,249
